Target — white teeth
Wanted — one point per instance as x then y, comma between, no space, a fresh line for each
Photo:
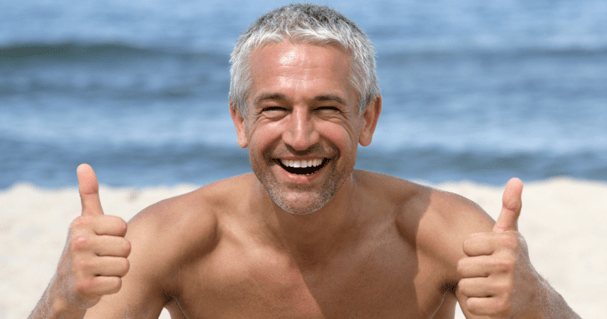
302,164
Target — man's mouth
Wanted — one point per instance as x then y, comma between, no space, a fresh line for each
302,167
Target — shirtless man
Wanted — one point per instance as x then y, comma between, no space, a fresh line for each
306,235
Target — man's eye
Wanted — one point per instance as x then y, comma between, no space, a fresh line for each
327,109
273,112
273,109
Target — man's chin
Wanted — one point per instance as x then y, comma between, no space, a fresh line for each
302,205
301,199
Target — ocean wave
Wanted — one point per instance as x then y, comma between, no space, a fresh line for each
111,70
112,51
51,165
396,55
73,50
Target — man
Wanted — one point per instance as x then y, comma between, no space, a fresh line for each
306,235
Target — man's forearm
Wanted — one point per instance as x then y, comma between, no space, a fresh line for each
51,306
553,305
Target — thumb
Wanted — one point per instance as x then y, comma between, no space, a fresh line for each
89,190
511,207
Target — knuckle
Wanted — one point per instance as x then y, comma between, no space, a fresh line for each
83,286
84,264
81,221
504,287
506,265
503,307
79,243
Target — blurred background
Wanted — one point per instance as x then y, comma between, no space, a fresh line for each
473,90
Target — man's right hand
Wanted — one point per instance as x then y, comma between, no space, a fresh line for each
94,259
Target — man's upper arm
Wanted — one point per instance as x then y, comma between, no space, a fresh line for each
460,218
164,238
141,293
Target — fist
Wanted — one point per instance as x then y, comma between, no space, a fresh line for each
497,277
94,259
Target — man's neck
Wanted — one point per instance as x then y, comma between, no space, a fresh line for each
313,238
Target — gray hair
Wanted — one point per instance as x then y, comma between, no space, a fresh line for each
305,23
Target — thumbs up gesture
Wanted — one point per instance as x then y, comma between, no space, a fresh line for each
497,277
94,259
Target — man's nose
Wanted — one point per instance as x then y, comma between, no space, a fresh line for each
301,133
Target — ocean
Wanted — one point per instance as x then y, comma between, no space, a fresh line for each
473,90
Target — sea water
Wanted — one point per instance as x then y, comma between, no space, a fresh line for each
472,90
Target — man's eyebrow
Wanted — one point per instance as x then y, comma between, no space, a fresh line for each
282,97
329,97
270,96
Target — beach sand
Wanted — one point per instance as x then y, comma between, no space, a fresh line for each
564,222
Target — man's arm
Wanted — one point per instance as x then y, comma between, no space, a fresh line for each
497,278
94,264
141,294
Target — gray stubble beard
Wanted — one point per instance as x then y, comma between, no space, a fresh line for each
326,193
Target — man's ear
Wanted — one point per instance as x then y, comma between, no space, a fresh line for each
369,118
240,126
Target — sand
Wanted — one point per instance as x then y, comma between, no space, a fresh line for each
564,222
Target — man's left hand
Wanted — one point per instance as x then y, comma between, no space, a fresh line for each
498,279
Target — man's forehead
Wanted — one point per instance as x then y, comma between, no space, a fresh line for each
291,51
320,71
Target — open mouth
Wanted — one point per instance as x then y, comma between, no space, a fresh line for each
302,167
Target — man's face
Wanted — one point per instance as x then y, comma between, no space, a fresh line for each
302,125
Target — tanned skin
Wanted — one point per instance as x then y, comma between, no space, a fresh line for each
337,243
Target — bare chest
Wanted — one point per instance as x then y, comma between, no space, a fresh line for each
374,281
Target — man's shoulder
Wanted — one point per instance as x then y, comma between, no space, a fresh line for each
204,199
422,201
449,220
436,221
456,215
388,187
410,199
187,223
